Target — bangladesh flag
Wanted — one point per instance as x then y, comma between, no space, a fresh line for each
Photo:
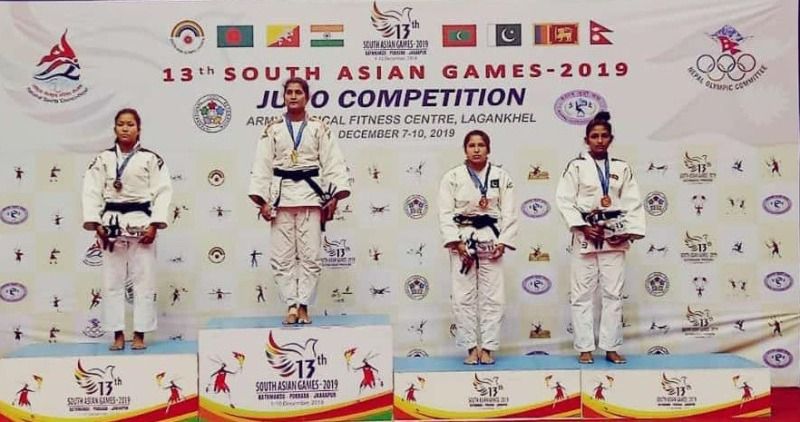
234,36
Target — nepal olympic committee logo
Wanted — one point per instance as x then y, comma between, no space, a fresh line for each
732,69
578,107
212,113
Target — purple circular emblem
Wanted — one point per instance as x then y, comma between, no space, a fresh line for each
536,284
14,214
778,281
579,107
535,208
777,204
13,292
778,358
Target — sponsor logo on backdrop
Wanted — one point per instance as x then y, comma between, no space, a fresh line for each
216,255
216,178
504,35
100,390
699,323
488,391
535,208
187,36
13,292
656,203
537,331
732,67
778,281
283,35
212,113
396,28
58,75
657,284
416,287
777,204
415,206
234,36
678,392
698,169
537,255
337,253
555,34
14,214
778,358
658,350
597,34
699,248
94,329
578,107
462,35
536,284
327,35
417,353
537,173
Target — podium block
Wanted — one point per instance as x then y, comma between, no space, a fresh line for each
718,386
514,387
87,382
338,368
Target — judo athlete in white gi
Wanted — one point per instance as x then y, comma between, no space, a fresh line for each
297,179
478,221
599,199
126,196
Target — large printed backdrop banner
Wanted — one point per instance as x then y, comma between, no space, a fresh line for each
703,96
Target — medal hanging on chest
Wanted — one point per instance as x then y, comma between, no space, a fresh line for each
294,156
121,167
605,181
483,203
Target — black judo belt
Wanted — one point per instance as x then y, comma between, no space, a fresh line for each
114,230
594,218
307,176
478,222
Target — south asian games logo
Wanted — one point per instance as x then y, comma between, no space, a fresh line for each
58,74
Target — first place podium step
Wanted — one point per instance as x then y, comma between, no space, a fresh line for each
257,369
87,382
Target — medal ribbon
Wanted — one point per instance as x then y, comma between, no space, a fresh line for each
604,177
121,167
296,139
482,187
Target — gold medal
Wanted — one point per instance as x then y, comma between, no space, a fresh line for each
484,202
293,156
605,201
118,185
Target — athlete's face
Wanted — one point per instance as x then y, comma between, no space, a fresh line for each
598,140
295,97
127,130
477,151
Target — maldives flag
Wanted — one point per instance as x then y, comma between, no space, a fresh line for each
459,35
234,36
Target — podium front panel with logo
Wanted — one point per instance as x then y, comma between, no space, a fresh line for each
514,387
339,367
676,386
84,381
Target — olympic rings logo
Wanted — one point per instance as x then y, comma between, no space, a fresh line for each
726,64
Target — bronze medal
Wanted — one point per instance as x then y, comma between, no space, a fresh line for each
118,185
605,201
484,202
293,156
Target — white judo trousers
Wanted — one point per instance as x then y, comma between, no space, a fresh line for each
587,271
478,301
296,264
136,262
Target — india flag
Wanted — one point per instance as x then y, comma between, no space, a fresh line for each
327,35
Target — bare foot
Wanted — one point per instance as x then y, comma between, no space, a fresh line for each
486,357
615,357
291,316
119,341
585,357
138,341
302,315
472,358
